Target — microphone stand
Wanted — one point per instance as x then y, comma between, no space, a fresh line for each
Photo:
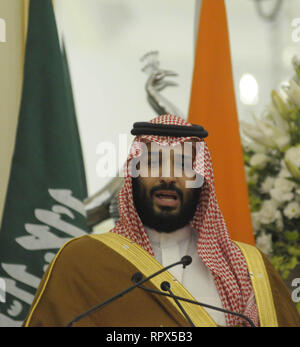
167,287
137,279
196,303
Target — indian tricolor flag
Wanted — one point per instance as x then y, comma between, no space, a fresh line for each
213,105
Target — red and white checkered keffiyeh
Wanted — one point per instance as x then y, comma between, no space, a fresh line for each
215,248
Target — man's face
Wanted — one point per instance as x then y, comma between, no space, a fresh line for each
160,192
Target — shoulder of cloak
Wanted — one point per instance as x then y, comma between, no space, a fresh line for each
287,313
285,309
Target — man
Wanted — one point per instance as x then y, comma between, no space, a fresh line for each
164,215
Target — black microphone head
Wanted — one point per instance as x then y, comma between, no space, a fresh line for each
186,260
165,286
137,277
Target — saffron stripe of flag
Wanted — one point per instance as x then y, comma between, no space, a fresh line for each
213,106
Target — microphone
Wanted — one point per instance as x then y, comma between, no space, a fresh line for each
186,260
137,278
165,286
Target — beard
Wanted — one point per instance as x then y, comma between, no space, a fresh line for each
166,220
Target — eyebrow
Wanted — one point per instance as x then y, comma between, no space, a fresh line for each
176,155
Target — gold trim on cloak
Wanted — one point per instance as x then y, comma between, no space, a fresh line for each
147,265
261,285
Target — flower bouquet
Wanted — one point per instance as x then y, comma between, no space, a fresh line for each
271,148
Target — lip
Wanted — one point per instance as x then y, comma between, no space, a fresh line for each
166,198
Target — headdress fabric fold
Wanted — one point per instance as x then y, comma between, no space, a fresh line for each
214,246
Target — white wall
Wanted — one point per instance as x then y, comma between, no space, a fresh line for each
11,62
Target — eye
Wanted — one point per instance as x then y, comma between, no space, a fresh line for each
153,162
179,164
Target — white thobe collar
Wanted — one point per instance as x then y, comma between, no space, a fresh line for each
169,239
169,248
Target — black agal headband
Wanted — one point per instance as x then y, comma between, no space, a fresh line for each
145,128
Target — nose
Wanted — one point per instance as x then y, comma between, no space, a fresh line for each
167,172
167,180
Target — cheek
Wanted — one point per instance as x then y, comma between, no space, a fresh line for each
189,174
146,184
182,184
189,194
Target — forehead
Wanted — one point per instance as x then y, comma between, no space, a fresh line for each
151,145
187,148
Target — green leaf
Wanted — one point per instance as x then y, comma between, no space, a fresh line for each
293,250
292,235
293,179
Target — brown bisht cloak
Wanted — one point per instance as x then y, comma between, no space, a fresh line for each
90,269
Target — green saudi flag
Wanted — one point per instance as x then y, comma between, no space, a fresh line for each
43,207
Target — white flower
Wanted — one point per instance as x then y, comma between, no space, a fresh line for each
264,243
254,147
256,135
250,177
284,172
279,102
270,131
255,220
282,190
284,185
296,62
278,120
259,160
277,195
294,92
268,184
279,221
292,160
292,210
276,134
282,141
268,211
293,155
266,127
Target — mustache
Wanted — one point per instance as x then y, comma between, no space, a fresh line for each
165,186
